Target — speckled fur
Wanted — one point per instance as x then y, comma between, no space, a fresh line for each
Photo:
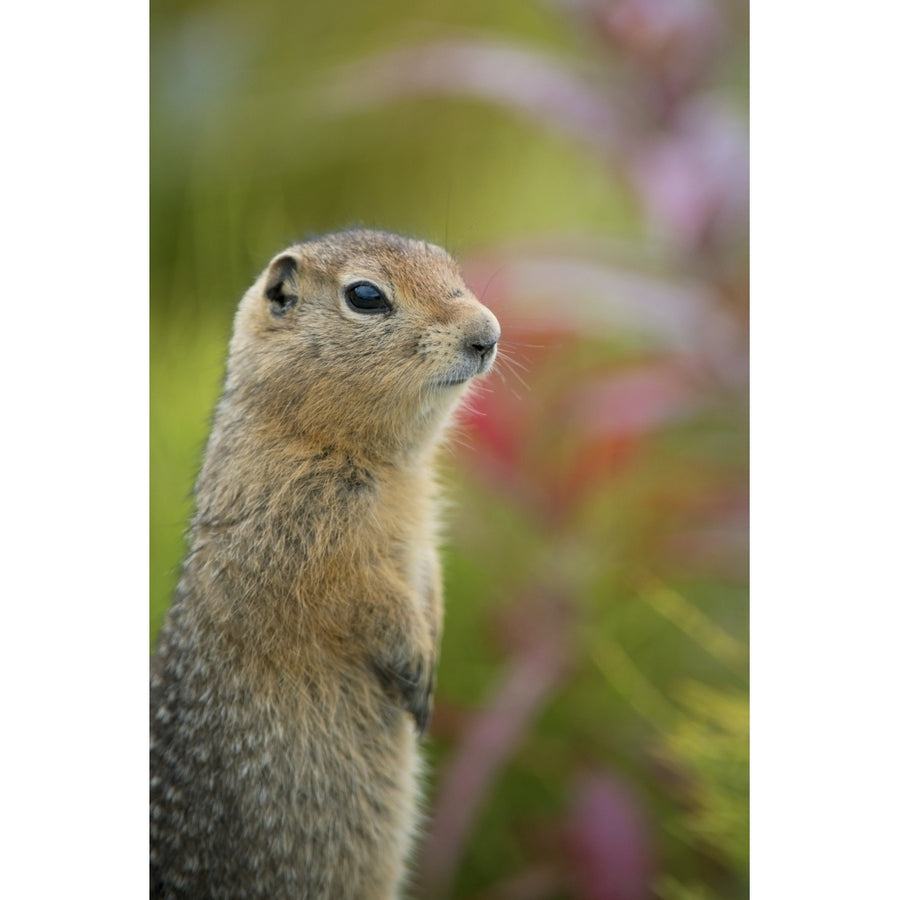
297,659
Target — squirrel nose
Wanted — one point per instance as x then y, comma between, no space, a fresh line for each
483,346
482,342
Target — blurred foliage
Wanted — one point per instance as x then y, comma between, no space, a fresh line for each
587,162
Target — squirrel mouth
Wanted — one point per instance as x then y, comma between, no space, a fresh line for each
452,381
468,368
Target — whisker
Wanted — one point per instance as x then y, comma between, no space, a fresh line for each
509,387
516,368
510,360
511,342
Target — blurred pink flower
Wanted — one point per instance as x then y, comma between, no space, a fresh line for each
678,38
578,294
609,842
537,664
527,80
685,154
635,401
694,179
712,533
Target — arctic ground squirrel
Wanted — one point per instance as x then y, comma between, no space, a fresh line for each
293,676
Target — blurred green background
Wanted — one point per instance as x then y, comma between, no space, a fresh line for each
587,162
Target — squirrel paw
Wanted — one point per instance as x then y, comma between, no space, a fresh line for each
415,684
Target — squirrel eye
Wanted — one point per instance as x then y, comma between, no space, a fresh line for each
365,297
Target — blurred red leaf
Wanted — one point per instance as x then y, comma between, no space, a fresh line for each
569,429
549,455
614,413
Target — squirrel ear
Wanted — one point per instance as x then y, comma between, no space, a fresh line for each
281,284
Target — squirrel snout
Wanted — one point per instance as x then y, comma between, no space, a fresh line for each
482,341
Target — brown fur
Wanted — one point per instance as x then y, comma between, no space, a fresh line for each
297,659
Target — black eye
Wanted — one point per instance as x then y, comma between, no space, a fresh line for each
365,297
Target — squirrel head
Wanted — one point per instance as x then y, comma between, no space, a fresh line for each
360,337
